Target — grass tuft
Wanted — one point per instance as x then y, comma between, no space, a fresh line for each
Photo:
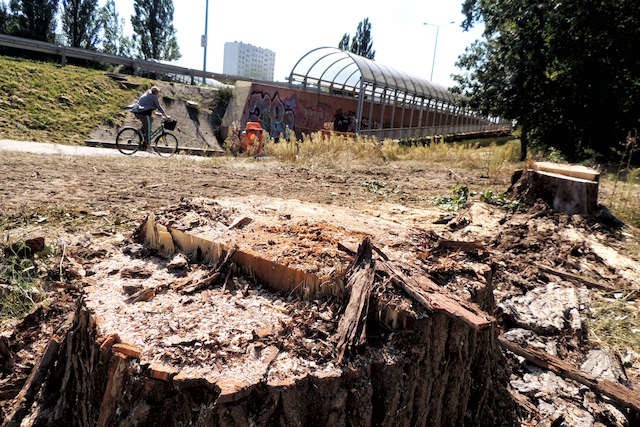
616,323
20,287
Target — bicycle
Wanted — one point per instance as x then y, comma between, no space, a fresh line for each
130,139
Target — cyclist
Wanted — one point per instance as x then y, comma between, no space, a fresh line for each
146,105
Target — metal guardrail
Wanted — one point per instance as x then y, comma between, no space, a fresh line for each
92,55
430,131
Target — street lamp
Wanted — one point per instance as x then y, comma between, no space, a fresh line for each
204,39
435,46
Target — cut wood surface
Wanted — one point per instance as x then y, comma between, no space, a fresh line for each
433,299
562,192
620,394
576,278
576,171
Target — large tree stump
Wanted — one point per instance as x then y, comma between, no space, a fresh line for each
566,188
254,348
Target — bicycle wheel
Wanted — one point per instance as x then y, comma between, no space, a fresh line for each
166,144
128,140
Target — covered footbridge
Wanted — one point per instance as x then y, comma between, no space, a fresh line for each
387,103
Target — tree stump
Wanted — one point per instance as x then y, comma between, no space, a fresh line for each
566,188
254,348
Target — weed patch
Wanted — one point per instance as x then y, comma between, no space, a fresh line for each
499,199
20,286
455,202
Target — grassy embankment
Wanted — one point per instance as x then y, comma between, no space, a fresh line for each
43,102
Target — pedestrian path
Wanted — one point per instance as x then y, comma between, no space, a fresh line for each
72,150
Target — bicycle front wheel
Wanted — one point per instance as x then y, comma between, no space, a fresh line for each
166,144
128,140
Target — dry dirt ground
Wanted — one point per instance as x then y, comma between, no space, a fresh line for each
87,199
92,194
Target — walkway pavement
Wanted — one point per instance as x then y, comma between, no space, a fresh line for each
70,150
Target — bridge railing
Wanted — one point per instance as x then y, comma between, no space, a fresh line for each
414,132
91,55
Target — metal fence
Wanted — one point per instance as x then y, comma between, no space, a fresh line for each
138,65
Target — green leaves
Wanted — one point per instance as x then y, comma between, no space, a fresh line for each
565,71
455,202
154,34
362,43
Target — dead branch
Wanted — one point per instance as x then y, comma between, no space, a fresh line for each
351,331
426,292
575,278
618,393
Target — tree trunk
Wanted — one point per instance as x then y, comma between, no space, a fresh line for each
524,141
440,373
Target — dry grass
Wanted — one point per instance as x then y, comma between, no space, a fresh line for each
490,158
622,196
615,323
316,149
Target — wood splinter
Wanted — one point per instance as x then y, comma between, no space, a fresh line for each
217,275
351,331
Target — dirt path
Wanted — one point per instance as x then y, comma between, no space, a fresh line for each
91,192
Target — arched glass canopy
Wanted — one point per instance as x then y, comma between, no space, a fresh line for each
390,103
344,72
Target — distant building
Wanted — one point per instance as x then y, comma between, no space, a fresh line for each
243,59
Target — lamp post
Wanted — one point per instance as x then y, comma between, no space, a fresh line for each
204,38
435,45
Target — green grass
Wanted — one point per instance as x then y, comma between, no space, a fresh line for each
44,102
21,285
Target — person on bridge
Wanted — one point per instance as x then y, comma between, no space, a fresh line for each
146,105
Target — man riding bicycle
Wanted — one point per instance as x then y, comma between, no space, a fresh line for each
147,104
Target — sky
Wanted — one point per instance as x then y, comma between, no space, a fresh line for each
292,28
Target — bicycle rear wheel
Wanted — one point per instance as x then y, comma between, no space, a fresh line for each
128,140
166,144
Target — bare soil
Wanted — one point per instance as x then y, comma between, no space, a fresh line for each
124,189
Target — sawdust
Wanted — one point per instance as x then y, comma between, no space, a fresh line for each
218,334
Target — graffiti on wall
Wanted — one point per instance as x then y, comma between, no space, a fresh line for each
276,115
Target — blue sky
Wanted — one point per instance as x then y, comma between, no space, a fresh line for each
292,28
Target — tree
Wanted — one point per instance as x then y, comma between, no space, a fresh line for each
5,16
344,43
154,35
362,43
114,41
80,23
567,72
34,19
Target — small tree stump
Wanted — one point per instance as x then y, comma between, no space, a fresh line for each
566,188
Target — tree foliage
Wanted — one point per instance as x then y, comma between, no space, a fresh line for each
567,72
362,43
80,23
154,34
5,16
113,39
34,19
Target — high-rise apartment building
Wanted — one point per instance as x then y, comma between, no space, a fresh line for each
243,59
